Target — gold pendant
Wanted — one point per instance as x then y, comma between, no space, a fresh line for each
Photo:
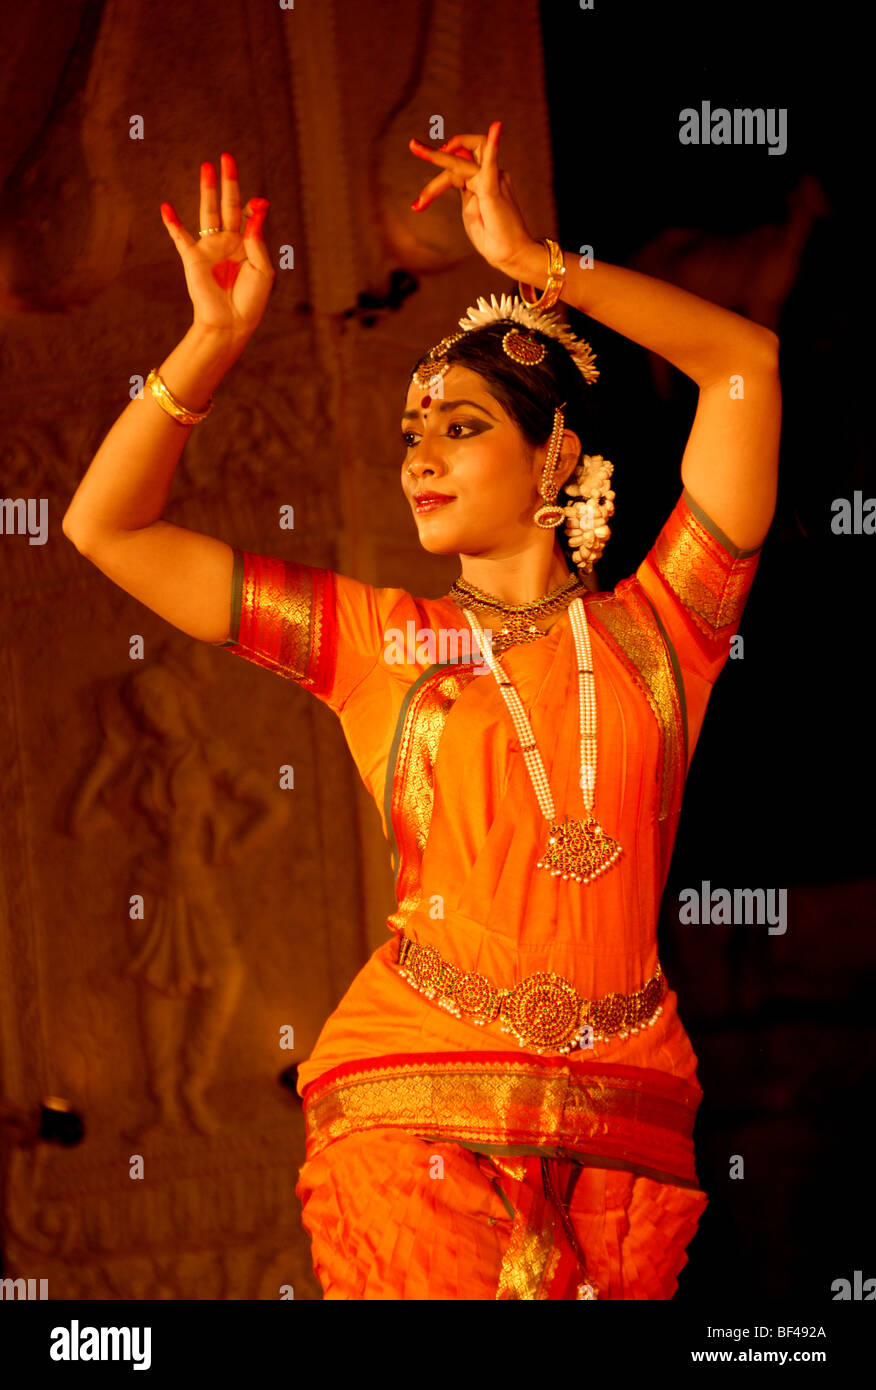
513,637
579,849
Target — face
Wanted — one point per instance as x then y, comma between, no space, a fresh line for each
464,446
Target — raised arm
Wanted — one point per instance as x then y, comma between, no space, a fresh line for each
731,461
114,517
730,464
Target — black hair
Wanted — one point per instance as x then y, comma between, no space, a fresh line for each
528,394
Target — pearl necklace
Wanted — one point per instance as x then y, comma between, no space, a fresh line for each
578,850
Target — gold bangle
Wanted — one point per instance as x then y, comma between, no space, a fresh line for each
168,402
556,278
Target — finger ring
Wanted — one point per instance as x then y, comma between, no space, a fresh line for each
208,231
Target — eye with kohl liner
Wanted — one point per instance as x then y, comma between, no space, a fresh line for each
475,426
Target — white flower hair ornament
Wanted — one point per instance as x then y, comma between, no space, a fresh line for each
587,516
511,307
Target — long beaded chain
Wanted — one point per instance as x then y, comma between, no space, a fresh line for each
576,849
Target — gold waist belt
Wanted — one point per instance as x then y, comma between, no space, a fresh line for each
544,1011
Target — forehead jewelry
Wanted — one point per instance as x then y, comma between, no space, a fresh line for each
518,343
434,365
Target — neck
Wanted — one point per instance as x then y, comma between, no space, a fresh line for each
517,579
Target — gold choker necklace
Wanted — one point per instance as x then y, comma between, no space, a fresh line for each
518,625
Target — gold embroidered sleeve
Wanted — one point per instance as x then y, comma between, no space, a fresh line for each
310,625
282,618
706,574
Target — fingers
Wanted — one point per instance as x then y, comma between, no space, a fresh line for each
468,142
181,238
434,188
490,160
208,208
229,221
253,238
230,195
485,151
454,147
453,163
459,151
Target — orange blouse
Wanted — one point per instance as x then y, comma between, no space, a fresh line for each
437,749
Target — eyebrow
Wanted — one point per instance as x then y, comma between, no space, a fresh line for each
449,405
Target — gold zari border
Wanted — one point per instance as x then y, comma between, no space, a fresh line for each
628,622
630,1117
710,582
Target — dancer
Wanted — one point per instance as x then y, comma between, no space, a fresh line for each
502,1105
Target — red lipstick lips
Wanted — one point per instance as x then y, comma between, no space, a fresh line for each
428,501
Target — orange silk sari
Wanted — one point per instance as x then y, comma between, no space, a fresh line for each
445,1160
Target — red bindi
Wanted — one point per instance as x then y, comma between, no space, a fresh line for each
425,402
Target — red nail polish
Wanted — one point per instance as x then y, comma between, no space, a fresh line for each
168,213
208,175
229,167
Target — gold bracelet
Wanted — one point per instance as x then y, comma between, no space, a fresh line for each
556,278
177,412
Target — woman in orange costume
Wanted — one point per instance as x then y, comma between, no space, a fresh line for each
502,1104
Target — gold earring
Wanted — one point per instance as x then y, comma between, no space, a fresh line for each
550,515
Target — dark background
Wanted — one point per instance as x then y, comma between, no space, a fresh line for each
779,792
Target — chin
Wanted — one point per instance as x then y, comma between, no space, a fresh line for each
435,545
435,536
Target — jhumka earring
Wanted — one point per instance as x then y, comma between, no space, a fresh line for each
550,515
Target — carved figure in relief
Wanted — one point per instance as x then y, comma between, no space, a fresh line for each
157,767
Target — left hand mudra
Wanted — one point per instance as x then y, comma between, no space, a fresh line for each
492,220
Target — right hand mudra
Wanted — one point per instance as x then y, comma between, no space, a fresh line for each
229,275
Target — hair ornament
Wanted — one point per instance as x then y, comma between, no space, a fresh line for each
523,348
510,307
588,512
434,365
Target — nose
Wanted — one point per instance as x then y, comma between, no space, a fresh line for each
427,461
